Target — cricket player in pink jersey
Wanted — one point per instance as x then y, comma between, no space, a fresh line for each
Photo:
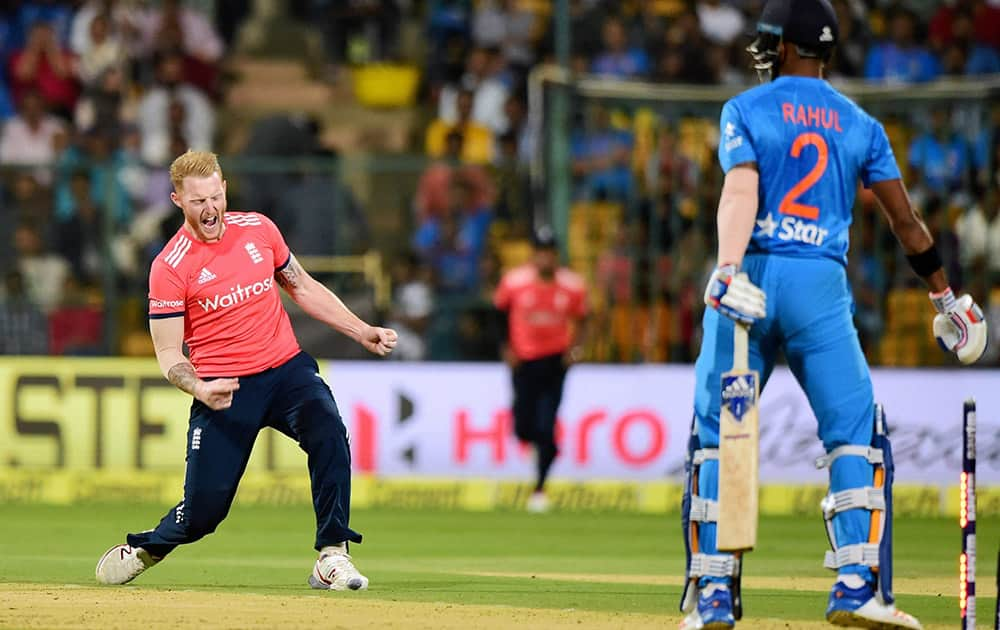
213,288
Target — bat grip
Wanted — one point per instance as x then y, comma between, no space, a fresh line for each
741,346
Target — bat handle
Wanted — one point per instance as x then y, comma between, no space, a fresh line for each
741,346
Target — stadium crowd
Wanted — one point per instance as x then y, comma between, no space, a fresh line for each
97,96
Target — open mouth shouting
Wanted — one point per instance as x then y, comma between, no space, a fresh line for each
211,224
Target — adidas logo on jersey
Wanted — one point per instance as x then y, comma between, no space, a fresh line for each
205,276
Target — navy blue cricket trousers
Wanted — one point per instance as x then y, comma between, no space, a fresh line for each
292,398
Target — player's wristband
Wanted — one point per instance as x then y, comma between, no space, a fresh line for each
926,262
944,302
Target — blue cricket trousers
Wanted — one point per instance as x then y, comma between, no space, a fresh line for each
809,317
292,398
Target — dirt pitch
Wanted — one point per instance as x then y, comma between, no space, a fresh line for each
71,606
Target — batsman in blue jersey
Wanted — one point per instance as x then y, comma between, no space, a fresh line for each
793,150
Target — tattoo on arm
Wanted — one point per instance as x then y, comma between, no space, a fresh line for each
290,278
183,377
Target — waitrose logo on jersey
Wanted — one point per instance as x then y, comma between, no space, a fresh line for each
236,295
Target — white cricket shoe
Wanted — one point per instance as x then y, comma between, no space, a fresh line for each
857,607
334,571
538,503
122,563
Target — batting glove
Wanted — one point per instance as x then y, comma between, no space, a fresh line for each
959,325
733,295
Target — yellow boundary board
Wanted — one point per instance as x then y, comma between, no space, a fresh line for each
258,488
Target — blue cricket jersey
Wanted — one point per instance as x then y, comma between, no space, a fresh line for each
811,144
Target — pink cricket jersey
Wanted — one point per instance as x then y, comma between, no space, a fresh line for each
234,323
541,314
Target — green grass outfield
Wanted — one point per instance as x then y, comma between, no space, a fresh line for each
603,562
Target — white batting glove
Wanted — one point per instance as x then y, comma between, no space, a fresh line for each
733,295
959,325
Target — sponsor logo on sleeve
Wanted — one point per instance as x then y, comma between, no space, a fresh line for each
158,303
733,141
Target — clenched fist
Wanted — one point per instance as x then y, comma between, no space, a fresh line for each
218,393
378,341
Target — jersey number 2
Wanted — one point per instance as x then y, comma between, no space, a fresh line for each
789,205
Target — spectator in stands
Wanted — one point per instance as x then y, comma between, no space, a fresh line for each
513,189
412,305
320,216
105,104
601,158
852,43
900,59
43,271
57,13
98,154
431,199
977,58
945,239
986,152
105,51
198,36
670,176
986,18
123,18
721,23
618,59
503,24
939,158
978,230
80,237
516,110
870,281
720,70
433,196
448,31
940,34
680,51
23,201
482,77
453,244
29,137
454,264
172,101
43,65
6,104
369,28
477,139
23,328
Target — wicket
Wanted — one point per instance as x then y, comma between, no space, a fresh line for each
967,518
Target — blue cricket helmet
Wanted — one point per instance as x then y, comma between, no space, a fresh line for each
809,25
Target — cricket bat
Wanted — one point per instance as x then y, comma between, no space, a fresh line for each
739,451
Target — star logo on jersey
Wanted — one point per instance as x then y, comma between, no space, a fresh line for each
767,226
733,141
205,276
